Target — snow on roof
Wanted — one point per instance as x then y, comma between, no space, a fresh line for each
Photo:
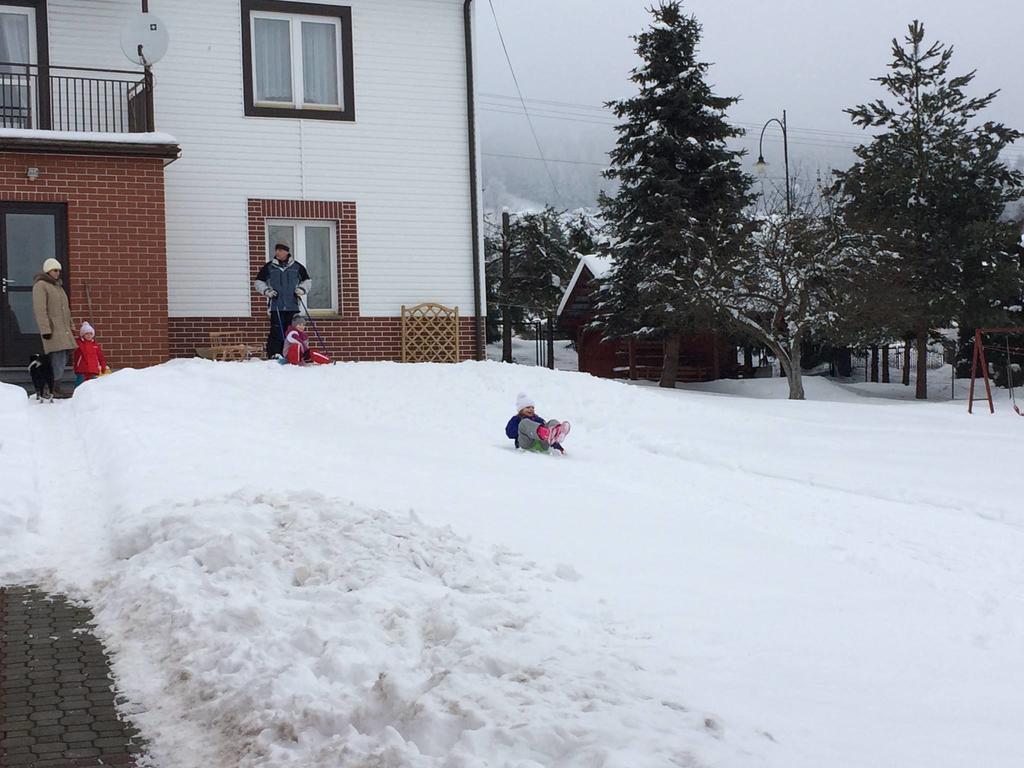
599,266
86,136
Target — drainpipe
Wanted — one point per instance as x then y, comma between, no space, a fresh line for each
478,340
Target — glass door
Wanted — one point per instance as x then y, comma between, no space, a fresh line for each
30,233
18,75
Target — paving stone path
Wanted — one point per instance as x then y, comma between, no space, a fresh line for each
56,692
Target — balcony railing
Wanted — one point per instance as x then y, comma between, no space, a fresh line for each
75,99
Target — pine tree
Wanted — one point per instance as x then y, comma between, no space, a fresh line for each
581,232
932,189
681,189
542,262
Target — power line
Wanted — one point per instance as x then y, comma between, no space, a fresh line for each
817,138
544,160
522,100
573,109
809,141
507,156
600,115
593,107
551,116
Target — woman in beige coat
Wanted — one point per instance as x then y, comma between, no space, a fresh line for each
53,316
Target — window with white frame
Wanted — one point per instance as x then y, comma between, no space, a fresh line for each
314,245
298,59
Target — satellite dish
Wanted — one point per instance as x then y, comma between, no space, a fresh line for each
144,39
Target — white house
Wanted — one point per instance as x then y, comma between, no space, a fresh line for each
344,128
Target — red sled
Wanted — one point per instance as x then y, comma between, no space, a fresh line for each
295,356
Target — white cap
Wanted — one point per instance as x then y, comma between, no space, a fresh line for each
86,328
51,264
524,401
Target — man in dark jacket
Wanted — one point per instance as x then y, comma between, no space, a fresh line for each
284,282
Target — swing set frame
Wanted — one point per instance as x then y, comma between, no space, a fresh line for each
978,360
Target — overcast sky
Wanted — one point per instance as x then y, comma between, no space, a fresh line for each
811,57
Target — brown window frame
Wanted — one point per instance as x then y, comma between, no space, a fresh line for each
342,12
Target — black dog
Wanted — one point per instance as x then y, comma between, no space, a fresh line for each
41,371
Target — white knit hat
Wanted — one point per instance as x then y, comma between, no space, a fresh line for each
51,264
86,328
524,401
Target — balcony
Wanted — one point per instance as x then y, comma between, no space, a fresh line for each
75,99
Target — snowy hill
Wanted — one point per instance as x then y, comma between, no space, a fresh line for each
349,566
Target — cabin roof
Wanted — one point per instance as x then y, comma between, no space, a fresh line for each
595,266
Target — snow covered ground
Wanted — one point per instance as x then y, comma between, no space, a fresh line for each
349,566
524,352
852,390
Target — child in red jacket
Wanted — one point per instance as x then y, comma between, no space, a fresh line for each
296,345
89,360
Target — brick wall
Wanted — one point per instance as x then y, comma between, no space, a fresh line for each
116,244
361,338
348,335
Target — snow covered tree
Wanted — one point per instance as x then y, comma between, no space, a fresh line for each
540,252
932,188
542,260
582,231
681,189
784,281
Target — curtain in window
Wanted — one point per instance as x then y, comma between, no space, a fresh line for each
14,47
318,264
320,63
272,51
14,38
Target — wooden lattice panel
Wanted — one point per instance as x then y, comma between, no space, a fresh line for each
430,334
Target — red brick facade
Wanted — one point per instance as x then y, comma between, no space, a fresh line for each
116,244
347,335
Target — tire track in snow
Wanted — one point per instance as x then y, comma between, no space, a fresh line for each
985,513
71,507
75,514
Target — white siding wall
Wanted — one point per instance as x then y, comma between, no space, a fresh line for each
404,161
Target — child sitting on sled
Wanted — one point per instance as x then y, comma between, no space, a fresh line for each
531,432
89,361
296,345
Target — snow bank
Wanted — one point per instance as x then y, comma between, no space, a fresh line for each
314,633
12,399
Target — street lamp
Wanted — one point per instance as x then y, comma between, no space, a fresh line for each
762,167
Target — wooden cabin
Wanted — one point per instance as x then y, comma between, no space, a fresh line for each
702,357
